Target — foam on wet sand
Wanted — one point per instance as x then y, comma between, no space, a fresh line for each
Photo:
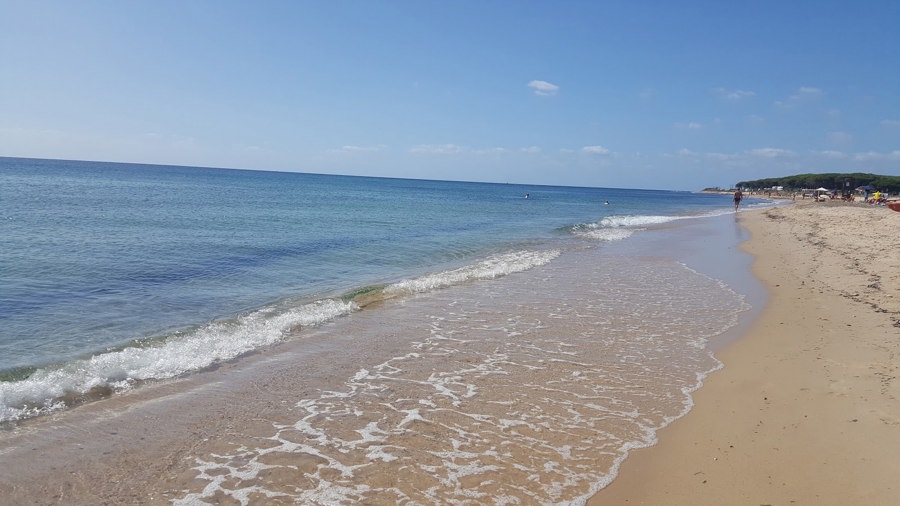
526,388
807,407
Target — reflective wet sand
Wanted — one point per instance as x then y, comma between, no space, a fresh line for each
520,390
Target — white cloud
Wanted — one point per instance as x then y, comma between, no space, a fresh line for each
770,152
358,149
595,150
752,156
803,94
837,155
693,125
685,153
733,94
490,151
437,149
453,149
890,123
531,150
808,91
754,163
872,156
543,88
720,157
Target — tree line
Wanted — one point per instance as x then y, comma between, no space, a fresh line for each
840,182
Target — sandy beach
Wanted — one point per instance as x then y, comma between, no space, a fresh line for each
807,407
805,410
525,389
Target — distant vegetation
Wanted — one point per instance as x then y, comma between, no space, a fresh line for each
889,184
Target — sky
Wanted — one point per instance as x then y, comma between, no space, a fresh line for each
660,94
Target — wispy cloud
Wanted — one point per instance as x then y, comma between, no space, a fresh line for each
693,125
807,92
455,149
497,150
872,156
803,94
770,152
890,123
688,154
720,157
543,88
437,149
836,155
363,149
753,155
733,94
595,150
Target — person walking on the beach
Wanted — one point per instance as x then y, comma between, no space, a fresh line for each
737,199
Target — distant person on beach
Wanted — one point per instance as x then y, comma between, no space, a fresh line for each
737,199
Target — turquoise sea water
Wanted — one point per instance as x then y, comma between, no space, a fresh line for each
112,274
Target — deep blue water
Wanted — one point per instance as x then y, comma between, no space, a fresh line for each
100,261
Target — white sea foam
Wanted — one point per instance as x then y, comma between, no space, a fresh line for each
619,227
176,355
635,220
493,267
535,398
606,234
219,341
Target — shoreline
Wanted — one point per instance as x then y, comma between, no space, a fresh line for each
807,407
410,368
799,413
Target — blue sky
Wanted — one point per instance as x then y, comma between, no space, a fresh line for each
635,94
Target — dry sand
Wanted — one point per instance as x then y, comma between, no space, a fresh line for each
807,407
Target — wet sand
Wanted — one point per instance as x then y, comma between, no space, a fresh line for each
807,407
805,411
528,388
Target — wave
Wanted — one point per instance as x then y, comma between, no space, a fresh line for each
618,227
53,388
493,267
636,220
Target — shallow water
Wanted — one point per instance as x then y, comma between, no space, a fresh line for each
117,274
522,373
526,390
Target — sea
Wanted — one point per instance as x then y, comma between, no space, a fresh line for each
537,333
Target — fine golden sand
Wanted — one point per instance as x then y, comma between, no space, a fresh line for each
807,407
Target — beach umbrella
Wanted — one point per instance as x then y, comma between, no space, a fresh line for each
819,191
